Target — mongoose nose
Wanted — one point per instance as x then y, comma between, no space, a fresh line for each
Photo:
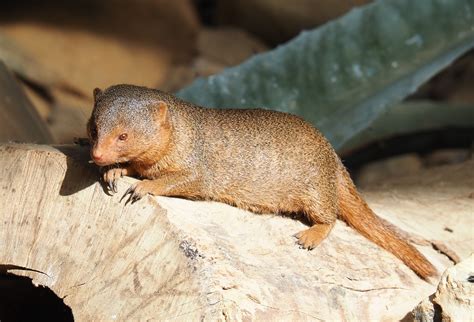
97,155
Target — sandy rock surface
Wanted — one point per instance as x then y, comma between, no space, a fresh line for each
455,294
170,258
454,297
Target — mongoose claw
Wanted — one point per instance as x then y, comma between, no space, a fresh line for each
136,192
125,194
303,241
131,197
111,176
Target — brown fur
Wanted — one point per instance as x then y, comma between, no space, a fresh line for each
259,160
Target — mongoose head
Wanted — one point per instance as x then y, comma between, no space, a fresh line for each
128,124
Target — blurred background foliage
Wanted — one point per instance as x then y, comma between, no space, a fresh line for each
346,74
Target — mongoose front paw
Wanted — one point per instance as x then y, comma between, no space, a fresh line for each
110,177
138,190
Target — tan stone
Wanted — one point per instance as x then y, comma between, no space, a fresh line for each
217,49
378,171
454,298
455,294
228,46
87,60
68,49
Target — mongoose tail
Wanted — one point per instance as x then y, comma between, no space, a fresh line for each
357,214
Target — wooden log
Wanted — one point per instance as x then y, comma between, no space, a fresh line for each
169,258
19,119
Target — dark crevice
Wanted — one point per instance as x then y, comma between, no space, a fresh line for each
438,313
21,300
206,10
444,250
421,143
39,89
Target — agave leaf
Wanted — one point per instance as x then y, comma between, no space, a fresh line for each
341,76
410,117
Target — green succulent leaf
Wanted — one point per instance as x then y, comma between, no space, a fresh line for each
341,76
410,117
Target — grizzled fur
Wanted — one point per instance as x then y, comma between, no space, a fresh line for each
260,160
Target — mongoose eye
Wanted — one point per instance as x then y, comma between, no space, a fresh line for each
123,136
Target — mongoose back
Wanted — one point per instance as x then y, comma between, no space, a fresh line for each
255,159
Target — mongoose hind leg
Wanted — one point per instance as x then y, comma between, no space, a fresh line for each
313,236
321,211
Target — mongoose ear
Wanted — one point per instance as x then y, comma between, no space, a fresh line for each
97,92
161,111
